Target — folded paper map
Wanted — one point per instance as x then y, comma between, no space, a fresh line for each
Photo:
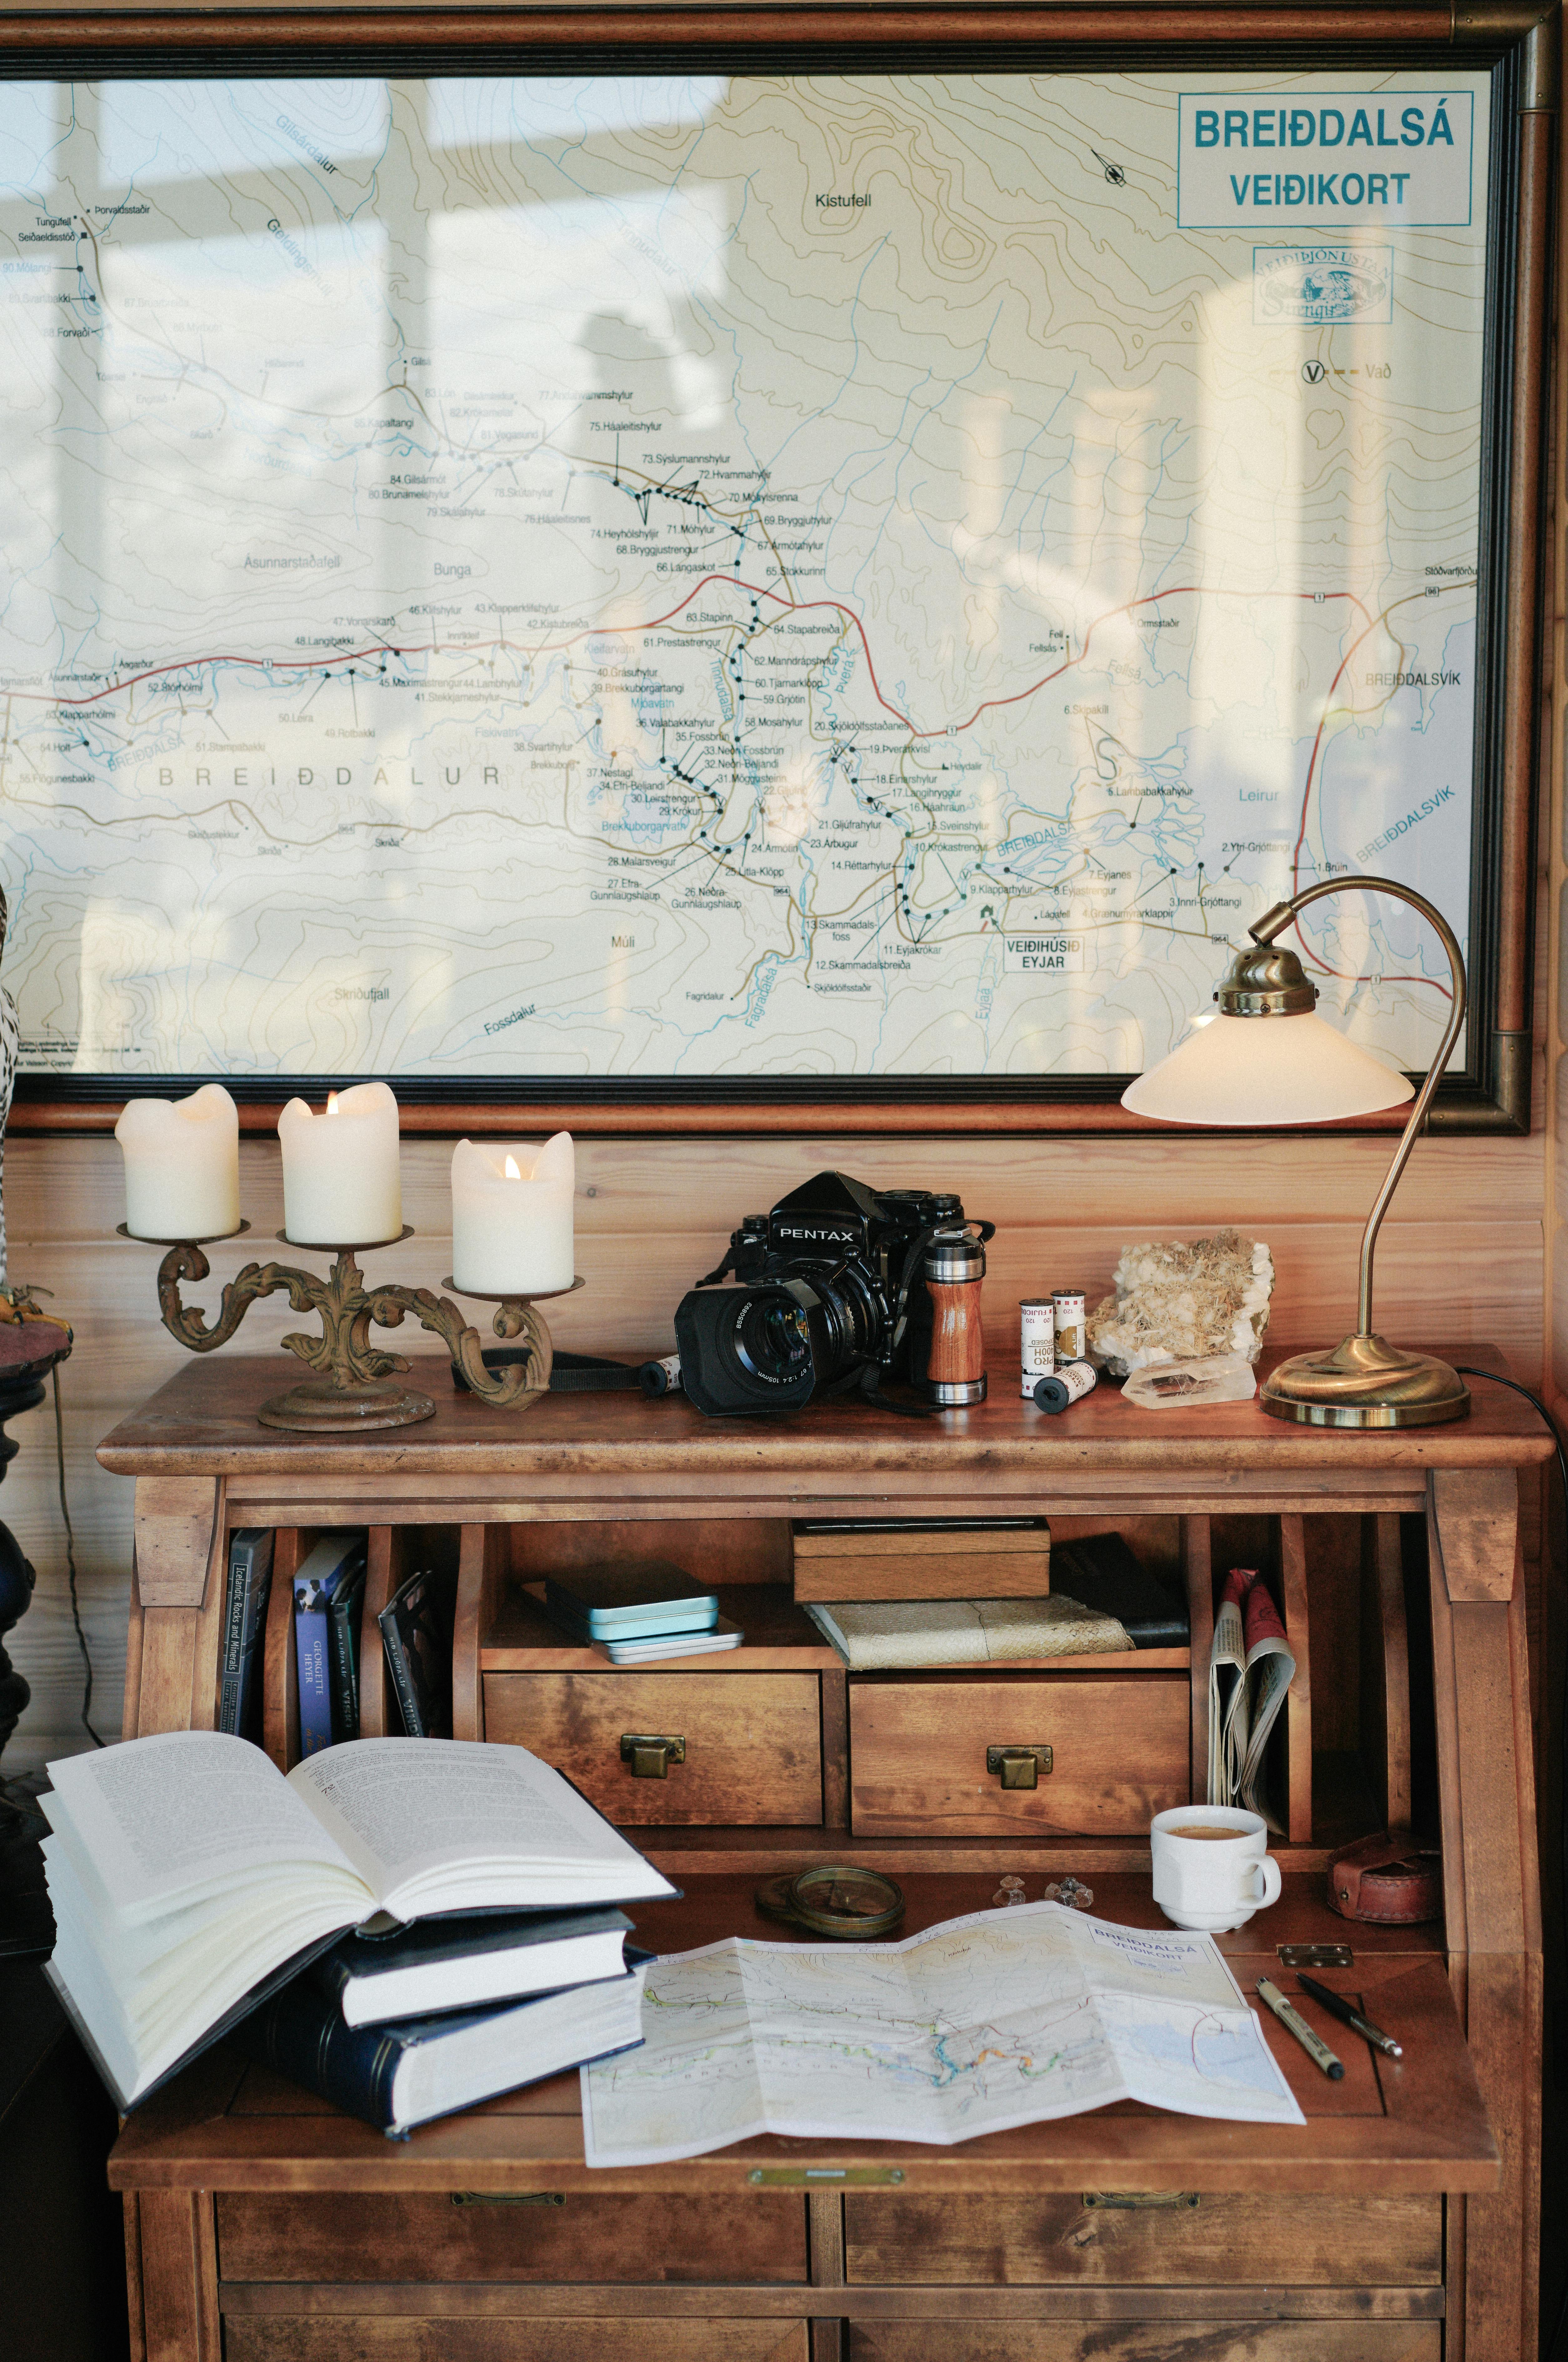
883,1635
1001,2018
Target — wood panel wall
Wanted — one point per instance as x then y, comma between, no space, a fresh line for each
1462,1257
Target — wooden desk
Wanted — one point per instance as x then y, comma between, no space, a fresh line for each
1398,2225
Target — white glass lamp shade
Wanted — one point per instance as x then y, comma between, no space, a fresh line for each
1253,1071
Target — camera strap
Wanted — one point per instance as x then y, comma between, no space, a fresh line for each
571,1374
861,1385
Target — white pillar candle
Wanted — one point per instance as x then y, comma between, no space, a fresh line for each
181,1165
342,1182
512,1217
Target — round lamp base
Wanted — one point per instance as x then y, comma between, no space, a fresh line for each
1365,1383
317,1406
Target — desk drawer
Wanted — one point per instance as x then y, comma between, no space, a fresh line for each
752,1741
362,2236
1120,1752
537,2337
1221,2339
1239,2240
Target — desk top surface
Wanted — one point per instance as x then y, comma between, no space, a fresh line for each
204,1422
1416,2124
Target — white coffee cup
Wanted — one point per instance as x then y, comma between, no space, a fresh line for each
1213,1883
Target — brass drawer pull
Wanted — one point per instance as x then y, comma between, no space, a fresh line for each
650,1757
507,2198
1130,2201
1020,1767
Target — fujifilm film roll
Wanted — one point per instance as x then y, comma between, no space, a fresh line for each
1068,1382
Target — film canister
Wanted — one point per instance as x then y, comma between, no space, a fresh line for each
1068,1382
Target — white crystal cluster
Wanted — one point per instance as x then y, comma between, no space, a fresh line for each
1174,1301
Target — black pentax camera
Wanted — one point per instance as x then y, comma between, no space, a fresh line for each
830,1293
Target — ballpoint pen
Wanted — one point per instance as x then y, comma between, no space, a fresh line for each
1296,2024
1337,2007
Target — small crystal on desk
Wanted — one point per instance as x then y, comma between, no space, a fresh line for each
1010,1891
1072,1891
1175,1302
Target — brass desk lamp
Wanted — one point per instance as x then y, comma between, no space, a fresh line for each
1235,1071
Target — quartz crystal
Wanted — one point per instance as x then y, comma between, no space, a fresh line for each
1174,1301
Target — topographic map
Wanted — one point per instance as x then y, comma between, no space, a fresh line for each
1006,2017
730,577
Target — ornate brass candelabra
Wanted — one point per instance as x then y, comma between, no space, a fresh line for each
355,1389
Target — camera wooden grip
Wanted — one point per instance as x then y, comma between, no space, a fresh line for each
955,1364
957,1344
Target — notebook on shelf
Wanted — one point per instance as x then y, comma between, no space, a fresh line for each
628,1601
1101,1572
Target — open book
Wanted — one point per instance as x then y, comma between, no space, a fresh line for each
1251,1667
189,1876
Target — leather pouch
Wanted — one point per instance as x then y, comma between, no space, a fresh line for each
1392,1880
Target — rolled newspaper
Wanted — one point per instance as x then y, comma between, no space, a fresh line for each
1251,1668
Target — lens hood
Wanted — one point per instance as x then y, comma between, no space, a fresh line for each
750,1349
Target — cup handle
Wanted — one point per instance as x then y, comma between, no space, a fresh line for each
1268,1871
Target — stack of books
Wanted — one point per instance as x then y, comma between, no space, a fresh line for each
639,1611
405,1926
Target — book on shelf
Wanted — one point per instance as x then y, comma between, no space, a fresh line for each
892,1635
416,1636
1101,1572
1251,1668
331,1575
189,1876
245,1626
636,1600
343,1614
385,1971
402,2075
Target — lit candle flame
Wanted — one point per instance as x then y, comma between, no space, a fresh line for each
332,1102
512,1173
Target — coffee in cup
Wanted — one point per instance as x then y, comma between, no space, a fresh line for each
1211,1866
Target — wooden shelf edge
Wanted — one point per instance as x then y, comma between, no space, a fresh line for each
500,1658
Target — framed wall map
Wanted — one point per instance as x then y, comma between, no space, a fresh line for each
760,584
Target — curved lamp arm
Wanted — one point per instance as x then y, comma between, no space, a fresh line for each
1273,924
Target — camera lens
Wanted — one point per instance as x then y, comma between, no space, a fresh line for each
772,1337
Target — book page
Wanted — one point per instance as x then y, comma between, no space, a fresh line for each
159,1821
489,1822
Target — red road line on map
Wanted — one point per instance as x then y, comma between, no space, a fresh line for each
805,607
1316,958
731,582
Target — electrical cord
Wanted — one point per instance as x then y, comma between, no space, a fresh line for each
70,1565
1548,2350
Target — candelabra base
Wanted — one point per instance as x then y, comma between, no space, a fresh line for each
320,1407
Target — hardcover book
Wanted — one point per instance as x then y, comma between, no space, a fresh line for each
416,1633
385,1971
333,1566
399,2076
342,1647
245,1622
186,1871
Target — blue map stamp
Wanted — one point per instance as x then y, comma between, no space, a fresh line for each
1314,286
